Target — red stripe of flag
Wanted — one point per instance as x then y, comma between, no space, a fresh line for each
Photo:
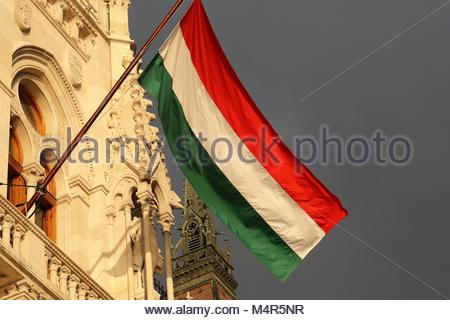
242,114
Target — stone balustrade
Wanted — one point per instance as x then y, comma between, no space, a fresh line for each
23,242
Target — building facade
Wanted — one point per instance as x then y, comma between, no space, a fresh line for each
92,234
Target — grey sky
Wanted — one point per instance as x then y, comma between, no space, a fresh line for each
283,50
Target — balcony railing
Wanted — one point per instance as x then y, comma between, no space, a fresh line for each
37,257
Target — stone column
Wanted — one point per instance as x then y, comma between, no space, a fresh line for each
126,208
166,221
147,219
54,265
47,257
111,216
64,273
74,281
82,291
33,174
18,235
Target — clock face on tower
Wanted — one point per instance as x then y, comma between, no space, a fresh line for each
192,226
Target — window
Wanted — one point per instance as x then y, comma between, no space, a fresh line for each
17,191
31,110
45,215
31,99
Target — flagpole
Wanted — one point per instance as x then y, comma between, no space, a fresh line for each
101,107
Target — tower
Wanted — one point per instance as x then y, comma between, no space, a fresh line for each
203,269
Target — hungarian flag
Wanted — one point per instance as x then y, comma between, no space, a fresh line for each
230,153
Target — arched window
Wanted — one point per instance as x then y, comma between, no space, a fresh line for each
17,191
31,109
45,215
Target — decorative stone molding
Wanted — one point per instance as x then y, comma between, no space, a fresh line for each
16,110
56,10
73,29
126,208
33,172
80,188
129,123
24,287
23,15
74,23
166,220
6,89
47,60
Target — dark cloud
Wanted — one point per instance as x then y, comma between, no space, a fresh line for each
283,50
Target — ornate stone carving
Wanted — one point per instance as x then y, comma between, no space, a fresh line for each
166,220
73,28
23,14
50,62
75,71
129,123
57,11
25,287
72,22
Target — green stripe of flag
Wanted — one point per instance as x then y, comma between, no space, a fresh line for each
210,183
